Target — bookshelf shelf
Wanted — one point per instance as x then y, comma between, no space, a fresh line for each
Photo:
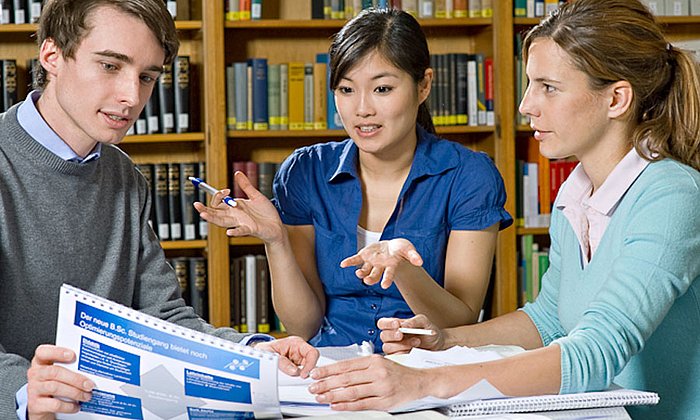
21,28
532,231
181,245
245,241
164,138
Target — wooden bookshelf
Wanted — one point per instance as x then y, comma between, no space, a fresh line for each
288,34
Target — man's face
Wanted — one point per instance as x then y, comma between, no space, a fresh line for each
97,95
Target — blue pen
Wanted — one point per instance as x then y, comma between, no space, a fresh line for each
198,183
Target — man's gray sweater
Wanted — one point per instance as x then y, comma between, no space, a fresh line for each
82,224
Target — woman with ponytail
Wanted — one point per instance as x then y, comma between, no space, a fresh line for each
393,178
620,302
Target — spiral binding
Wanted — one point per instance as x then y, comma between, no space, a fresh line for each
166,326
615,398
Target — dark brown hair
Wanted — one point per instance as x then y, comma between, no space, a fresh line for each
66,22
617,40
396,36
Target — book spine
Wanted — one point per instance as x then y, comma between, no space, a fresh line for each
266,175
461,88
249,96
187,197
167,103
33,10
284,96
251,293
172,8
451,90
296,96
202,225
5,12
244,9
152,113
232,12
238,166
262,294
174,204
425,9
472,108
161,201
486,8
475,8
461,9
19,11
146,170
259,93
181,82
480,89
320,92
198,286
488,83
183,10
316,9
256,9
235,290
8,68
333,121
181,267
308,96
241,92
230,98
273,96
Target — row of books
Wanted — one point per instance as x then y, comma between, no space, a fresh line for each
674,7
243,9
421,9
20,11
251,300
8,84
173,216
295,95
260,174
537,185
168,108
192,275
179,9
538,180
462,92
285,96
520,80
541,8
535,8
533,262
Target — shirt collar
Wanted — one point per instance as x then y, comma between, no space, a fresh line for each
33,123
425,162
610,193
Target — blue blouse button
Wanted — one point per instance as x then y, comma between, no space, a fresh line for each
370,332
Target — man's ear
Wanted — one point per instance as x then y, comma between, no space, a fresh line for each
50,56
425,85
621,95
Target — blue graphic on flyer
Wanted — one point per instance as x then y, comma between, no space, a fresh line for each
204,385
208,414
108,362
113,405
160,342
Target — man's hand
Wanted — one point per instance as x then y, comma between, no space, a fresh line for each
298,356
50,387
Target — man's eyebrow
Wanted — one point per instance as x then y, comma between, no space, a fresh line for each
126,59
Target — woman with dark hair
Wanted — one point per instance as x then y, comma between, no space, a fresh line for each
620,302
393,178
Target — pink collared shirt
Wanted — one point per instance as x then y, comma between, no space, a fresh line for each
588,214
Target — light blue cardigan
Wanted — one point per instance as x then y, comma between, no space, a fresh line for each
632,316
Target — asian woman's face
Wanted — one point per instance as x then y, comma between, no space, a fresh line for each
378,104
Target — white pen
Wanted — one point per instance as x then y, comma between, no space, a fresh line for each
416,331
198,183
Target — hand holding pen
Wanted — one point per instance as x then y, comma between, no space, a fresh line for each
198,183
401,335
255,216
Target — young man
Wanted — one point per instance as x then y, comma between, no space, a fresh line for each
73,207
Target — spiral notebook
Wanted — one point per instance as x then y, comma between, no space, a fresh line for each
614,398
